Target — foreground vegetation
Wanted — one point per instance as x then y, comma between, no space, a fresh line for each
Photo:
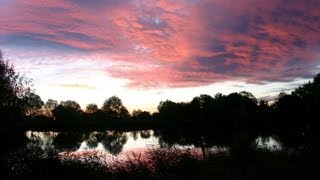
166,163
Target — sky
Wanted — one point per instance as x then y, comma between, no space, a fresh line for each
147,51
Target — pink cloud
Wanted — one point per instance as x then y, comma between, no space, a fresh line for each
180,43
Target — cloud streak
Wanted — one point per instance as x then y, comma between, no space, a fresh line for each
76,86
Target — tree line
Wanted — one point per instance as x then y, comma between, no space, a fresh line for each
69,113
224,119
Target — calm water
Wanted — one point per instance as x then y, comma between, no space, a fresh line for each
110,144
109,147
113,142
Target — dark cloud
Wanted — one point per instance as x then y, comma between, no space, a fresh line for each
240,24
216,45
80,37
299,43
38,41
258,20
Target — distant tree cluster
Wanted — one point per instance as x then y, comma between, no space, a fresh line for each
69,113
297,115
238,119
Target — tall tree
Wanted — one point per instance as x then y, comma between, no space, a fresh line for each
114,108
14,88
297,112
203,108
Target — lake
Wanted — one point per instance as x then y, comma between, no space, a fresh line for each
113,142
112,148
118,143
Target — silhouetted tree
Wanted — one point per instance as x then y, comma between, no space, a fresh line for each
71,104
290,125
203,109
174,113
297,124
249,96
114,108
141,115
33,104
95,116
240,105
264,106
49,106
203,101
91,108
167,109
309,94
14,89
264,122
68,113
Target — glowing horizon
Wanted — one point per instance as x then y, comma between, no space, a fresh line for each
148,51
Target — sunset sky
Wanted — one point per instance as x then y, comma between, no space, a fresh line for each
147,51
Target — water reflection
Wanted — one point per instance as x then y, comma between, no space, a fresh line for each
270,143
111,141
68,141
116,142
145,134
41,141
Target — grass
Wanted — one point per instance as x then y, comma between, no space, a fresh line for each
162,163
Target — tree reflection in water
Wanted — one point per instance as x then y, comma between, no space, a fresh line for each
41,141
145,134
134,134
112,141
91,139
68,141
